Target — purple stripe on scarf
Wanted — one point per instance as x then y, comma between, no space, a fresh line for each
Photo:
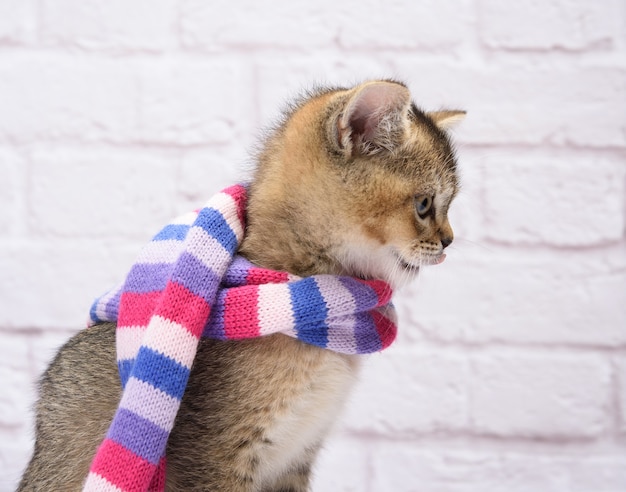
215,326
364,297
148,277
196,276
237,272
366,335
138,435
364,328
112,307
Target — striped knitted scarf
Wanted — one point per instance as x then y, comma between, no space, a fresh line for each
187,283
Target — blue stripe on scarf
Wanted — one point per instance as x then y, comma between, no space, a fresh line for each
309,310
172,231
138,435
161,372
215,225
124,367
93,315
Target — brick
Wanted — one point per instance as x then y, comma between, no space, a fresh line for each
292,25
18,22
341,466
109,25
509,102
18,388
110,193
560,200
52,284
71,98
620,389
16,447
409,393
281,79
44,345
12,192
547,395
466,212
246,23
405,25
121,101
554,24
191,103
598,473
482,295
407,467
204,172
404,468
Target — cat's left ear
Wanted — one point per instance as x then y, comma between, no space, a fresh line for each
447,119
374,118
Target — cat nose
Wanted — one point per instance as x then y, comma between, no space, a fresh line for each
446,241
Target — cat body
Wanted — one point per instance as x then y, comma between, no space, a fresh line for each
253,416
353,182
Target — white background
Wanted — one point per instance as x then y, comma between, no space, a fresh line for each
510,370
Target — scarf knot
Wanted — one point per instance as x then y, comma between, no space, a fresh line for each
188,282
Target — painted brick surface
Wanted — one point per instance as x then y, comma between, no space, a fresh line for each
621,393
110,25
570,298
534,187
510,368
11,169
54,96
110,201
245,24
18,21
534,102
561,24
546,469
540,395
428,393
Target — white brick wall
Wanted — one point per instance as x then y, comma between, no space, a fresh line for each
510,371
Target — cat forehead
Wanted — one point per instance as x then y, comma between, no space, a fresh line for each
429,153
433,173
443,186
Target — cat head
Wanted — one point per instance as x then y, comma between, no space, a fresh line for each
354,181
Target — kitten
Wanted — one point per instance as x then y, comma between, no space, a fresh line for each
354,181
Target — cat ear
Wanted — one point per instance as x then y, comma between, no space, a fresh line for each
447,119
374,118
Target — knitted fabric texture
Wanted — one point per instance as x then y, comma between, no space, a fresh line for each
187,283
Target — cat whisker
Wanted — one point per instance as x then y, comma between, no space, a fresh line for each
459,242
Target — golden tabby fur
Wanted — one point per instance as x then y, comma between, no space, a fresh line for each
355,181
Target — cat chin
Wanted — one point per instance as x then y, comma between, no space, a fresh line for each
385,263
369,262
437,260
404,272
426,260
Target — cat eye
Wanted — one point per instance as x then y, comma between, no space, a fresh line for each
423,203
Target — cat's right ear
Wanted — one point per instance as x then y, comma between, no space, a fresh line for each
374,119
447,119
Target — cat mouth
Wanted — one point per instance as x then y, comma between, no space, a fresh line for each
408,267
423,261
